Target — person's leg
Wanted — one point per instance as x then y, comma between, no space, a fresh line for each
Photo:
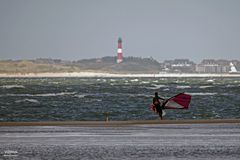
160,114
159,111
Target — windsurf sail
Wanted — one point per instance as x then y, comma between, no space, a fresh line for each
180,101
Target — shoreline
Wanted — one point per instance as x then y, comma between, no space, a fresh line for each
112,75
118,123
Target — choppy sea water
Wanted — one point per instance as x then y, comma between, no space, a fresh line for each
50,99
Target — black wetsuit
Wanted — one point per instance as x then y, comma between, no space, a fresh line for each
157,104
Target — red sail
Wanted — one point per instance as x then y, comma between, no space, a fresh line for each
180,101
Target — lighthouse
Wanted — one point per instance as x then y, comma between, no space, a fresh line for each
119,51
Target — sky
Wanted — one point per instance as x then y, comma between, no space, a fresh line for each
82,29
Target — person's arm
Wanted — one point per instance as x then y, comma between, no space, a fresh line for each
161,98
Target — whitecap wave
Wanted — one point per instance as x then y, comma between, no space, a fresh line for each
12,86
80,95
139,95
40,95
94,100
27,100
183,87
53,82
230,86
144,82
112,80
166,89
203,93
178,81
101,80
236,81
54,94
134,80
210,80
157,86
202,87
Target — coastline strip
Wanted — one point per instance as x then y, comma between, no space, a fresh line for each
117,123
113,75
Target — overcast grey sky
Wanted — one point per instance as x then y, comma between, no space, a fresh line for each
77,29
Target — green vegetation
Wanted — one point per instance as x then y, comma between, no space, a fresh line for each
105,64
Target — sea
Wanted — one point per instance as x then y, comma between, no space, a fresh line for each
115,99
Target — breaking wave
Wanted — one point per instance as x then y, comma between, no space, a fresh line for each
211,80
134,80
183,87
40,95
144,82
12,86
230,86
166,89
203,94
202,87
157,86
112,80
178,81
54,94
80,95
27,100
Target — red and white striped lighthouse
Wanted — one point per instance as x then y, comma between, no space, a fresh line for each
119,51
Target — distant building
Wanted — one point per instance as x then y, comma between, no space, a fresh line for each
213,66
179,65
182,63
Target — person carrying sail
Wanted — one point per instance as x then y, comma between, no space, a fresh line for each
158,105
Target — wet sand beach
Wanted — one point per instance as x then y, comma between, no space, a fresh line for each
168,139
